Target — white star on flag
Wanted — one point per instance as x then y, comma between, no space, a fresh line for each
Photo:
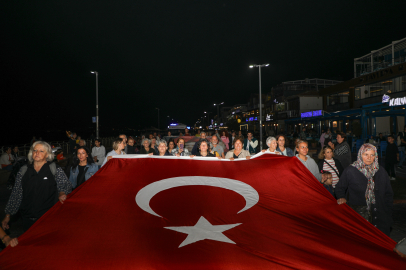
204,230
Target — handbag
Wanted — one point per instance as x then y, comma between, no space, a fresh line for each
332,168
362,211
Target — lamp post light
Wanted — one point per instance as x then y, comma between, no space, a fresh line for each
97,102
218,105
260,103
158,117
208,118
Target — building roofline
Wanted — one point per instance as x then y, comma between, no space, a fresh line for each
381,49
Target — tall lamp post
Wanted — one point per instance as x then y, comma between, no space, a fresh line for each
218,105
158,116
260,104
97,102
208,118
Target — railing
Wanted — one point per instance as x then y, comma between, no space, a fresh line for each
24,149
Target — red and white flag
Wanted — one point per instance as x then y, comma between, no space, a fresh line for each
183,213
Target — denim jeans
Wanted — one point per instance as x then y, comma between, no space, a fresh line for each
402,149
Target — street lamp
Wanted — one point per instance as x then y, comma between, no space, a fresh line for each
208,118
218,105
158,117
97,102
260,103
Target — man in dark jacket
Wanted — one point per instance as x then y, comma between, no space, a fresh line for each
391,158
402,144
342,150
72,143
250,143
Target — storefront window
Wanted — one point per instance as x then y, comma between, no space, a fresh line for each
338,98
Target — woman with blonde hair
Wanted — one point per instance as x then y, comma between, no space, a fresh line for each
38,186
118,149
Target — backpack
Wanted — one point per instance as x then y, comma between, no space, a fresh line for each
52,166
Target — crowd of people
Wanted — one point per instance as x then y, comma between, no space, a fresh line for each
364,185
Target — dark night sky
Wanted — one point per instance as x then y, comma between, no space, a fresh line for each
179,56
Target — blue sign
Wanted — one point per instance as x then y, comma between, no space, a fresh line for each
94,119
312,114
251,119
318,113
306,114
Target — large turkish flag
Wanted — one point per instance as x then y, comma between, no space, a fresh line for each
184,213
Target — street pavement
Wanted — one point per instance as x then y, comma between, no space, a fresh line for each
399,209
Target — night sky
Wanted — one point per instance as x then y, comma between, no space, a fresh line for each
179,56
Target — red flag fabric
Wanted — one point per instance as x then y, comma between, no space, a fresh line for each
188,213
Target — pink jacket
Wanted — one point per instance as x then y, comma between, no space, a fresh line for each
225,140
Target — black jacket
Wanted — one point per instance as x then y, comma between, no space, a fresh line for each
391,153
338,165
352,186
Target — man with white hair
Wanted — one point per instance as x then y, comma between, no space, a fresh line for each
216,147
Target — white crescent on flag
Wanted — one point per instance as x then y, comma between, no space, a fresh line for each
145,195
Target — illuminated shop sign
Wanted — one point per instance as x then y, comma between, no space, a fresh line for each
394,101
312,114
269,117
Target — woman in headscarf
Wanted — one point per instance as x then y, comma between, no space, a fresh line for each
369,189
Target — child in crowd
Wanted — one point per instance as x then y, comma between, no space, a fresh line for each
392,157
59,155
327,181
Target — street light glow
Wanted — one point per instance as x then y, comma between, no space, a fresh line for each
266,65
92,72
251,66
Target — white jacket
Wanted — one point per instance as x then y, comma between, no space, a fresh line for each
100,153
